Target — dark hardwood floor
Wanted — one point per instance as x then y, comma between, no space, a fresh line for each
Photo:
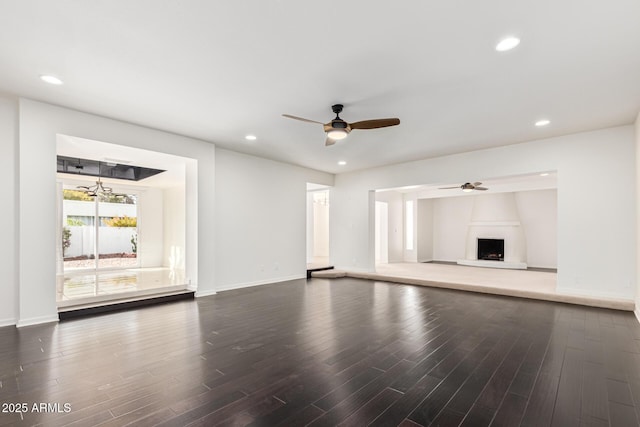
328,352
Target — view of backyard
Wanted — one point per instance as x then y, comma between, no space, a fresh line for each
100,231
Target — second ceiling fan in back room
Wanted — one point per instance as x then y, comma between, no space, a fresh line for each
338,129
467,187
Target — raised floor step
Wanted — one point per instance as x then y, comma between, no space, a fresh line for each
90,309
312,270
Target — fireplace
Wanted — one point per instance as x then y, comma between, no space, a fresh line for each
491,249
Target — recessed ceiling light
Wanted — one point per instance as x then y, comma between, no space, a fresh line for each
51,79
544,174
507,43
250,137
342,163
543,122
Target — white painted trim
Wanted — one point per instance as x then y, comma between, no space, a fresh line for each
593,294
7,322
37,321
495,223
261,282
637,313
493,264
357,269
205,293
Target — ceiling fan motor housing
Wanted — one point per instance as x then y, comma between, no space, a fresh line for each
339,124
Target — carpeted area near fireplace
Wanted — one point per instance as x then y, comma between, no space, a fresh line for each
516,283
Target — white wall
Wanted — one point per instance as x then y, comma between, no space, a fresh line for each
38,126
8,215
605,159
395,227
310,226
174,227
425,230
451,218
539,219
637,212
151,227
260,219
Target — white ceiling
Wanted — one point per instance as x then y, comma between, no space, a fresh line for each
220,70
546,180
174,167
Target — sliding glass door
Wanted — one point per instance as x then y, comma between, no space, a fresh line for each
99,232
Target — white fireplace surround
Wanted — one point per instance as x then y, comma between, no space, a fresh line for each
495,216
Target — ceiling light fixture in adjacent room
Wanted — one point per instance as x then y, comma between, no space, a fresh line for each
342,163
250,137
543,122
507,43
51,79
95,190
544,174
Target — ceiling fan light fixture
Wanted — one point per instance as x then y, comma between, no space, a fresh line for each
337,134
467,190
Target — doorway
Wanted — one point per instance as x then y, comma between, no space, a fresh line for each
317,226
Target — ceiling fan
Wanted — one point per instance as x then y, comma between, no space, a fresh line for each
338,129
467,187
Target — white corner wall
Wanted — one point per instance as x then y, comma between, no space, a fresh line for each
451,217
395,227
174,221
39,124
424,230
151,227
261,215
609,200
539,219
637,213
9,214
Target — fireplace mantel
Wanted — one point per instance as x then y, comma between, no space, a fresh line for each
495,216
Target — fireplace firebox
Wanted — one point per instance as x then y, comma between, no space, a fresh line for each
491,249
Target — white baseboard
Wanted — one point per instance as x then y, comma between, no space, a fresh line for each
637,313
37,320
260,282
199,294
493,264
7,322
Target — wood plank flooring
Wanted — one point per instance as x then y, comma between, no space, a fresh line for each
323,352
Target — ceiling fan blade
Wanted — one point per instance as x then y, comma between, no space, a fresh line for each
300,118
480,188
375,124
475,184
329,141
448,188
